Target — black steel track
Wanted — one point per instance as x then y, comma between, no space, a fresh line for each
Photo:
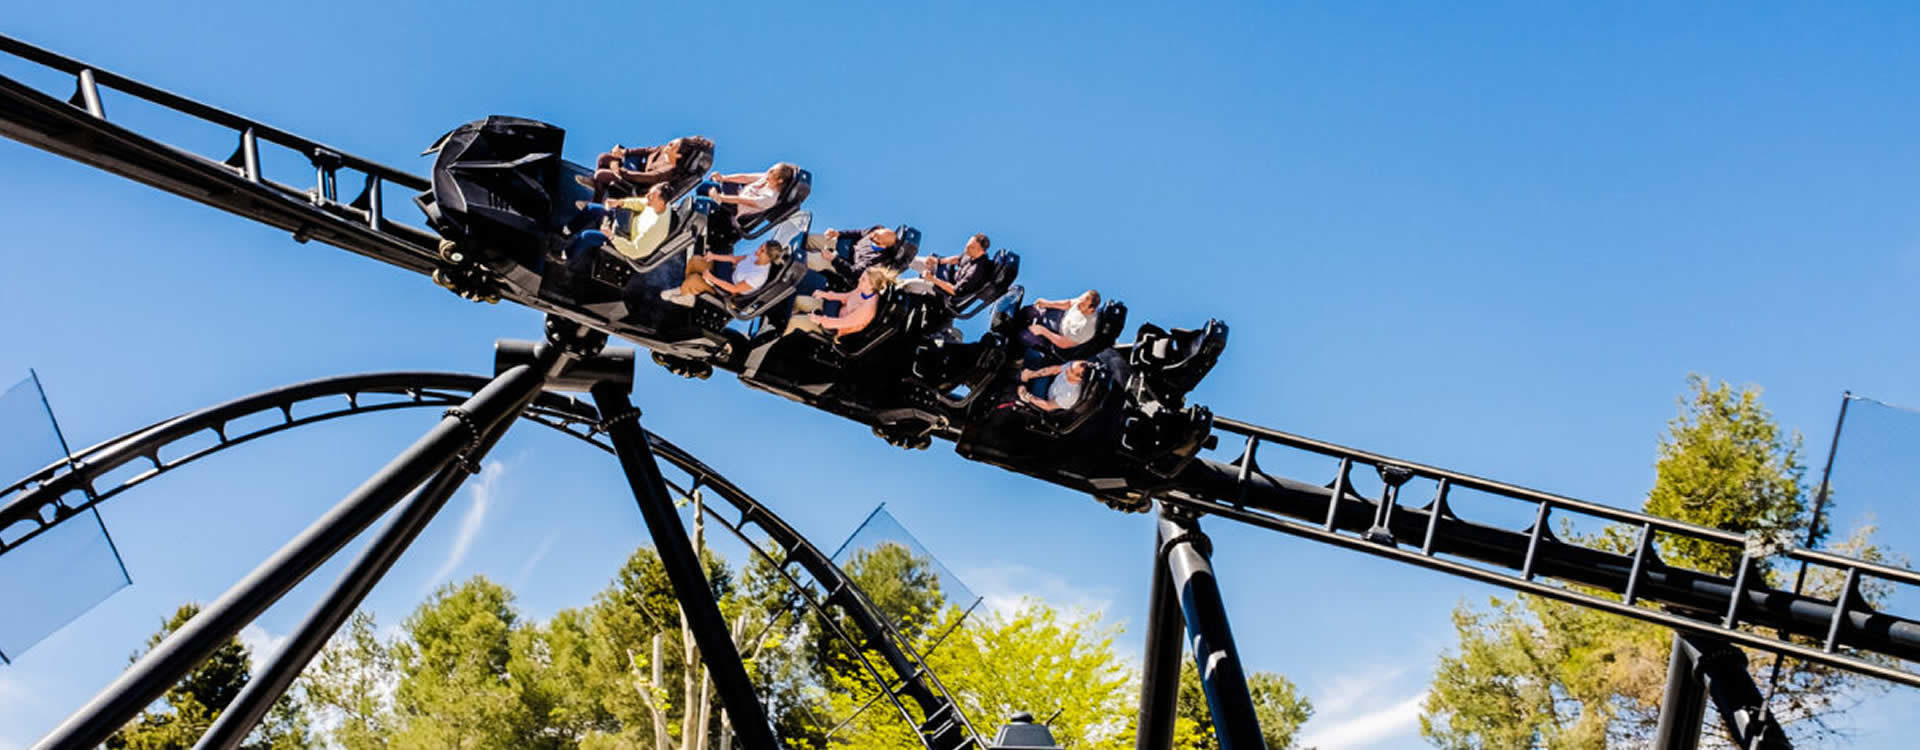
1841,631
62,490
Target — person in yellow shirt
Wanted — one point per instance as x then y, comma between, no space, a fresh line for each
646,229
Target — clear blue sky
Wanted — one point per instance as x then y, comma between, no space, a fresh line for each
1495,238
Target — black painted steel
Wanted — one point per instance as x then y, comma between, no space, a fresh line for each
149,677
682,563
273,678
61,491
1684,704
1186,549
1689,600
1703,668
1160,666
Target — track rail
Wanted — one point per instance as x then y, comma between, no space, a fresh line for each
45,498
1844,631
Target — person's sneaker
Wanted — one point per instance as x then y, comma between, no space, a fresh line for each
683,299
585,181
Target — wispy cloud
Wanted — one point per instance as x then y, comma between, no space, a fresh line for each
539,553
485,492
1366,729
261,645
1002,587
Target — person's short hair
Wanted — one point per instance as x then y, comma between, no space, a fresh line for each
772,247
1081,367
662,188
1094,295
985,244
781,173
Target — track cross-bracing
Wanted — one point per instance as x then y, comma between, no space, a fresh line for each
1841,631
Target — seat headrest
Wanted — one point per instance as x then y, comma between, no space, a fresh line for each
907,246
798,188
1113,317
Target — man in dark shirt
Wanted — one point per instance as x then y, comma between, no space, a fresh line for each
873,245
972,269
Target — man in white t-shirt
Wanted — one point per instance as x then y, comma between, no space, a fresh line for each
1068,381
749,274
1076,325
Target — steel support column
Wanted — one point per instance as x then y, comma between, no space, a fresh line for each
273,679
710,629
1703,668
160,668
1684,706
1186,550
1160,667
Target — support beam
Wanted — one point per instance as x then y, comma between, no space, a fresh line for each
1684,706
273,679
1160,668
160,668
689,578
1702,668
1235,726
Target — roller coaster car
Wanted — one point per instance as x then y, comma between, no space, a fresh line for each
496,185
1073,444
782,279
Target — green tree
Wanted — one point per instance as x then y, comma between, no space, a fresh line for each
455,689
351,684
1533,673
191,705
1032,660
1277,703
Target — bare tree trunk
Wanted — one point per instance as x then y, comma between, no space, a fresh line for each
660,739
649,698
691,719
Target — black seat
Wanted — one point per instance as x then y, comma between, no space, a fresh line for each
695,159
906,247
751,226
1107,324
946,366
688,225
782,278
889,318
1006,268
1169,364
1093,393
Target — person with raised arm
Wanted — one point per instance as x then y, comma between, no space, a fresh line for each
1063,391
1075,326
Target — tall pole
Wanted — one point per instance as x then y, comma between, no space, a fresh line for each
273,679
684,570
187,647
1813,532
1160,668
1235,725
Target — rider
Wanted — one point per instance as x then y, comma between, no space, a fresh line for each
972,268
747,193
749,273
646,228
1062,391
857,308
642,167
1074,327
872,245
